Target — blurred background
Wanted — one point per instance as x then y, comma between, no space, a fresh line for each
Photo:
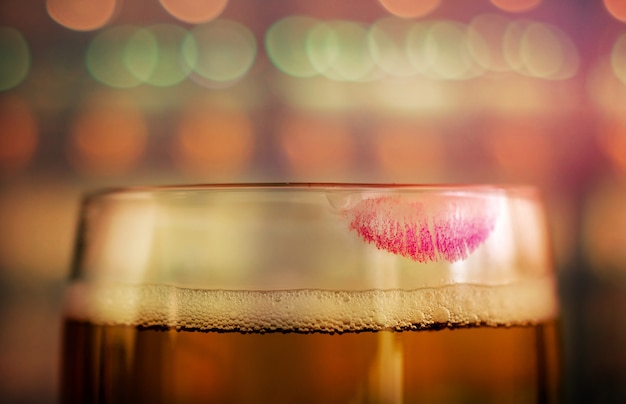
97,93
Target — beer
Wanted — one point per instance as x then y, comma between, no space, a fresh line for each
460,343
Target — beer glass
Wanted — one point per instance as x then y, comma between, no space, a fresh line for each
307,293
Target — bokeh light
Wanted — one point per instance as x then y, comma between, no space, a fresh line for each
388,46
304,47
213,140
548,53
410,8
617,8
512,44
286,43
108,135
108,61
322,46
316,147
126,56
486,41
409,151
516,6
447,53
14,58
416,42
194,11
221,51
344,50
18,134
618,58
440,50
82,15
170,68
540,50
347,54
140,53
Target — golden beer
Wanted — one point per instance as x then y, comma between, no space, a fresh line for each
347,339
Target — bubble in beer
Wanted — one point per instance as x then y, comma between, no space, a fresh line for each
441,315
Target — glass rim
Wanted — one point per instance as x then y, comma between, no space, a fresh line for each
486,188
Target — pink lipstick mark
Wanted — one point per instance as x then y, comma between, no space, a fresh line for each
444,228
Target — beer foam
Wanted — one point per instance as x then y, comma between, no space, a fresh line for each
160,306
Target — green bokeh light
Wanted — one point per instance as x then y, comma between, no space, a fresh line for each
388,46
220,51
126,56
286,44
322,46
353,61
448,53
141,54
416,41
107,54
170,68
14,58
